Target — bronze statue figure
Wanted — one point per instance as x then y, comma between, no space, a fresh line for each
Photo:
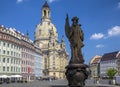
76,37
77,72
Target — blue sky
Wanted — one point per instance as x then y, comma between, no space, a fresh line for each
100,20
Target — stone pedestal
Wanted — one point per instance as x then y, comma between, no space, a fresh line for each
76,74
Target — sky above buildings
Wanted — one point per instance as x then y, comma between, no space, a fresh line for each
100,20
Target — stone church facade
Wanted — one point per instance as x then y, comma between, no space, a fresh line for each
55,56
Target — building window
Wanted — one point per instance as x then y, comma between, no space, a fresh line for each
19,70
4,36
3,68
7,60
7,68
22,61
14,61
8,44
11,53
14,46
11,60
14,69
4,44
11,68
7,52
26,69
14,53
44,12
53,67
19,55
3,60
22,69
3,51
11,45
8,37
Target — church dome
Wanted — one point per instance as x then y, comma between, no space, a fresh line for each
44,30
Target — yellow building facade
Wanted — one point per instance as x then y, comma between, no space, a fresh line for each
95,66
55,56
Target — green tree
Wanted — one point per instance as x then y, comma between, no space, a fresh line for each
111,73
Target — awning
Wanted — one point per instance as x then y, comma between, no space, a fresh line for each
16,76
4,76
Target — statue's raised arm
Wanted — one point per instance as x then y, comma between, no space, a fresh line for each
67,27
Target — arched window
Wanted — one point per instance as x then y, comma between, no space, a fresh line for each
44,12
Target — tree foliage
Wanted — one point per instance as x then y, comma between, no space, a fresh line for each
111,73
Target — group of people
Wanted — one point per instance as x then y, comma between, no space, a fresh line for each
47,78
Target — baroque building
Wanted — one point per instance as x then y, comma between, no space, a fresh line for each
55,57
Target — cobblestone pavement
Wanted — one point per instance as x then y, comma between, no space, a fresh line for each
57,83
29,84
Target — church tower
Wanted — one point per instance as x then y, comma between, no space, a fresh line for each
46,38
46,12
45,29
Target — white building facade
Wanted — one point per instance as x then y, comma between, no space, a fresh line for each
108,60
18,55
38,63
10,52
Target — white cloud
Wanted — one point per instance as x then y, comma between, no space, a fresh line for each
118,4
99,46
97,36
19,1
50,1
115,31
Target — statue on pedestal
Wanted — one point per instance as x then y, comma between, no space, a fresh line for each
77,71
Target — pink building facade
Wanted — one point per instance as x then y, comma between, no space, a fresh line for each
27,61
